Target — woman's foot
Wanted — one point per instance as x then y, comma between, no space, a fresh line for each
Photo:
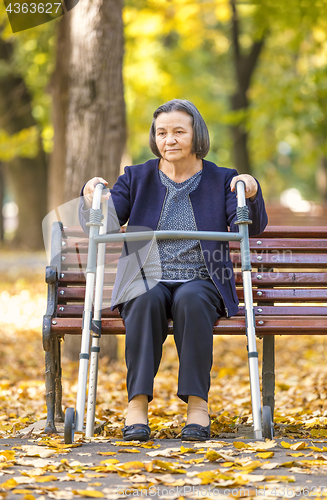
198,423
137,411
195,432
136,427
136,432
197,411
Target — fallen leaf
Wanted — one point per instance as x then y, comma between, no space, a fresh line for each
265,454
89,493
38,451
128,450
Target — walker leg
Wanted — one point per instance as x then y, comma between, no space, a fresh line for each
95,348
252,355
95,223
243,221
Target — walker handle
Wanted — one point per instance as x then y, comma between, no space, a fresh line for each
98,190
240,191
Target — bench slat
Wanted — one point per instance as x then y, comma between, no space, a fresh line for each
269,278
263,295
287,278
279,244
75,310
290,325
286,259
270,232
77,294
76,278
267,259
73,245
294,232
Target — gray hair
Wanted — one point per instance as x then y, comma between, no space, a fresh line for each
201,140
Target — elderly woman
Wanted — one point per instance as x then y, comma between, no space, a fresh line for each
178,190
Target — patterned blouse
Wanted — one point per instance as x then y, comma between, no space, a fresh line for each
180,260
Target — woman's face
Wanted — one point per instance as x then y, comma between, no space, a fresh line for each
174,135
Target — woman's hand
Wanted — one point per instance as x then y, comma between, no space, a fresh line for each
88,190
251,185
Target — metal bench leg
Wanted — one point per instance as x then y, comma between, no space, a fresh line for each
50,389
59,415
268,372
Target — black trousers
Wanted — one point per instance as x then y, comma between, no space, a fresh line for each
194,307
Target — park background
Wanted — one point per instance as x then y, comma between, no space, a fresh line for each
76,98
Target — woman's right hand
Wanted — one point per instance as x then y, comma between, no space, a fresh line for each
88,190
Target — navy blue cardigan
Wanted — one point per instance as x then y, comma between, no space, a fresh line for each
138,197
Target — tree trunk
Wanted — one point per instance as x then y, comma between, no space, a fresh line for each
96,118
59,90
25,176
94,115
244,69
27,181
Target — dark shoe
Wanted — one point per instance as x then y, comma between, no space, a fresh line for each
136,432
195,432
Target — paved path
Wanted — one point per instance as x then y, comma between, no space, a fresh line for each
164,470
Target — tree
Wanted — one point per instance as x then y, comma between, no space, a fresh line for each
25,130
25,175
245,65
88,108
96,129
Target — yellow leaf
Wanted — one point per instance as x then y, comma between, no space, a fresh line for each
127,450
194,461
29,497
292,464
9,484
132,465
316,448
212,455
45,479
187,450
285,445
89,493
150,444
110,461
106,453
318,432
227,464
160,465
249,466
240,446
266,454
298,446
21,492
124,443
7,454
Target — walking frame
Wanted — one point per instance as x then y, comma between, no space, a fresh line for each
91,329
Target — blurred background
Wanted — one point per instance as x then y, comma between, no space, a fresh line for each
77,96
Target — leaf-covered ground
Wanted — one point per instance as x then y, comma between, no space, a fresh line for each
301,407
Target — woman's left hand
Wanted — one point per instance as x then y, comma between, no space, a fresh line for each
251,185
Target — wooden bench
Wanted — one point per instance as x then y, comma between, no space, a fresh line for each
289,280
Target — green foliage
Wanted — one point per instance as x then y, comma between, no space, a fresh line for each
24,144
183,49
33,60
